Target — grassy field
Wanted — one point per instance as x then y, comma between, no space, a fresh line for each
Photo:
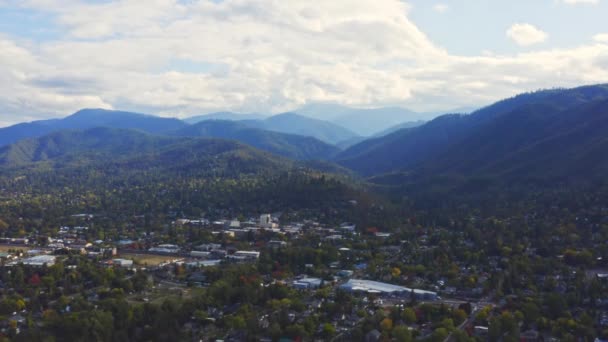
145,259
5,248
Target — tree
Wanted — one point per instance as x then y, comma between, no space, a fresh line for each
328,330
409,316
386,325
402,334
459,316
440,334
461,336
3,225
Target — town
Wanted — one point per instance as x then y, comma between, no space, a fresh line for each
321,281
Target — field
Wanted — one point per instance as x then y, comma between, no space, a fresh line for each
6,248
147,259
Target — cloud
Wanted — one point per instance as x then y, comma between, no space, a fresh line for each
180,58
601,38
441,8
579,2
526,34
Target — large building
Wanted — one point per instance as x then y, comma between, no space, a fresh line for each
122,262
370,286
38,260
308,283
165,249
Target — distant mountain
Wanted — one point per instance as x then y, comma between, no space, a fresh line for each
364,122
408,124
89,118
224,116
503,136
293,123
89,144
287,145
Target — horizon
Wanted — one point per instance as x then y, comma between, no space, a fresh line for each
183,58
429,116
421,116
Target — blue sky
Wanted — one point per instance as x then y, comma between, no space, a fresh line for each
470,27
181,58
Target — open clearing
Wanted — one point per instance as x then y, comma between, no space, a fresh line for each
148,259
6,248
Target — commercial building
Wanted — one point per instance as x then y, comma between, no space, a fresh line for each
38,260
247,254
307,283
122,262
369,286
165,249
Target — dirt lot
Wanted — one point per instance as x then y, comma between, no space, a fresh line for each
147,259
5,248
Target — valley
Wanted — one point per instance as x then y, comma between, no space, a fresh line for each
490,225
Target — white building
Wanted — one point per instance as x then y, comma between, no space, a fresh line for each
307,283
266,221
199,254
39,260
122,262
369,286
247,254
165,248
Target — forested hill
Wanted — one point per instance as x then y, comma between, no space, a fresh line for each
536,141
267,135
286,145
553,132
103,145
105,169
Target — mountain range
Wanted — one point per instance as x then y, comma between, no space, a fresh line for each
223,116
557,134
545,133
89,118
286,145
361,121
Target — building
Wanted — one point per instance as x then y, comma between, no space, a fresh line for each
165,249
276,244
200,254
369,286
122,262
208,247
203,263
348,227
480,331
38,260
247,254
266,221
345,273
307,283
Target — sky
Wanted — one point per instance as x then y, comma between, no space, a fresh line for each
188,57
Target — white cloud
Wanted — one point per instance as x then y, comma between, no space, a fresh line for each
601,37
578,2
181,58
526,34
441,8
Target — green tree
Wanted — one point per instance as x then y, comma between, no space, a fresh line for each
402,334
409,315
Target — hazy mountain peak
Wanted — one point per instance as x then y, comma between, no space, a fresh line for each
225,115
